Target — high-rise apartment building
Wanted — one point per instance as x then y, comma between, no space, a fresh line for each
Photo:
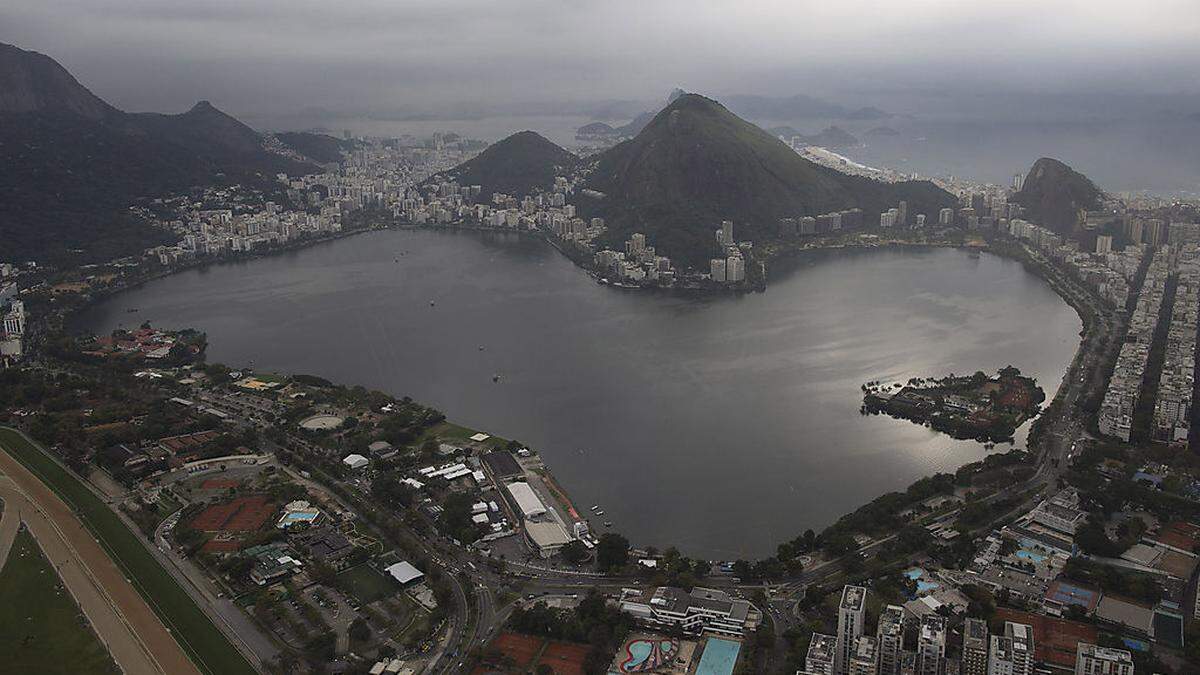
851,612
864,658
975,647
931,645
1011,653
890,639
822,655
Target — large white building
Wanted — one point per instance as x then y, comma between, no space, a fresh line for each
852,610
526,499
1093,660
704,610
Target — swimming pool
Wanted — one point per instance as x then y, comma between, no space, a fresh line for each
926,586
642,655
719,657
1025,554
914,573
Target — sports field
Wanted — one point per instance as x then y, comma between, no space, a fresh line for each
367,584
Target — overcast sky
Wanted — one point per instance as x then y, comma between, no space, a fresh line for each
271,57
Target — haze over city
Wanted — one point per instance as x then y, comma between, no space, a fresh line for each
266,60
611,338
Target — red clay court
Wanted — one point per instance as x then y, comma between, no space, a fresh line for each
565,658
244,514
520,649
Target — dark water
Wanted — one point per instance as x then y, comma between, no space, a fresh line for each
720,425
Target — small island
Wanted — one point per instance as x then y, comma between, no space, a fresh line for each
988,409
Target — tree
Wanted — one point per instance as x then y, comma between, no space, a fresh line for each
612,552
359,630
575,551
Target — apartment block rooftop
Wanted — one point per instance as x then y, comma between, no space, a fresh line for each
854,598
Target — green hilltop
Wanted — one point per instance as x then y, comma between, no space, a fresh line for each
515,166
696,164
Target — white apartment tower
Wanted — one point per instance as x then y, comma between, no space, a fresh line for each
14,321
851,612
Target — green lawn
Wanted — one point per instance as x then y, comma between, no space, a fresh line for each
451,432
43,629
204,642
367,584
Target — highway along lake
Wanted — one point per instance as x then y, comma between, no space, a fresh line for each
721,425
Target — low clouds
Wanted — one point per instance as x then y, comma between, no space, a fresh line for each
272,58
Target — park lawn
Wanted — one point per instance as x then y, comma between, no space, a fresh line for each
450,430
204,643
453,432
44,631
367,584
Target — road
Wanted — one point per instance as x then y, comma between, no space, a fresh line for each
136,638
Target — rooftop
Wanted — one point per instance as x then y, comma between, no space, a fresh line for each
853,598
822,648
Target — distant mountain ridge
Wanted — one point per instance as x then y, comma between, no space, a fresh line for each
697,163
514,166
70,163
315,146
1053,194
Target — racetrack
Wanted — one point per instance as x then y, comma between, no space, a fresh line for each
134,633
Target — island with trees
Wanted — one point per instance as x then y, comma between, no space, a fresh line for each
988,409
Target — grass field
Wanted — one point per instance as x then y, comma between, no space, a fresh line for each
367,584
204,642
450,431
44,631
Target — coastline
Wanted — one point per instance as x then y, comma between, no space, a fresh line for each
1012,251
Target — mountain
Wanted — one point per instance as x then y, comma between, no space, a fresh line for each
1053,194
697,163
71,164
602,131
594,130
881,131
315,146
514,166
830,137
